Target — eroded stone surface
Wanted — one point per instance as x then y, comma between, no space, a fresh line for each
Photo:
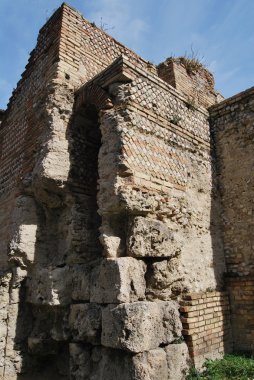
140,326
50,323
23,231
118,280
178,361
102,363
80,361
150,365
49,286
85,323
151,238
80,275
164,280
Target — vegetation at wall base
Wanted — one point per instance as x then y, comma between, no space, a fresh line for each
231,367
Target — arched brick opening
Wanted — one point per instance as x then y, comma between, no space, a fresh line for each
85,143
95,95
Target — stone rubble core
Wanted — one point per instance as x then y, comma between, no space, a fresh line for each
125,218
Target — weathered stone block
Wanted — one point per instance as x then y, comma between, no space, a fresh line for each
5,279
116,364
164,279
23,231
178,361
80,282
107,364
40,346
48,286
140,326
102,363
60,330
85,322
150,365
80,361
50,323
118,280
151,238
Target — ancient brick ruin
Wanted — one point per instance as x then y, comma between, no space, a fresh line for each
126,217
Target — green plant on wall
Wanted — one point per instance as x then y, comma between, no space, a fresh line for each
175,119
192,62
190,103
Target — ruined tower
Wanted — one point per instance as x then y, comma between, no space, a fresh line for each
126,219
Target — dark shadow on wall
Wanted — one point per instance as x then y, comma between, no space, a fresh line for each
219,264
84,138
66,236
44,358
216,227
233,132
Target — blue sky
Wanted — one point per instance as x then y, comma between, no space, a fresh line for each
221,32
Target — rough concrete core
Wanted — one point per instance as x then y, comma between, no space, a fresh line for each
125,225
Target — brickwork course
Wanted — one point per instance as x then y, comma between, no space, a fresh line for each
126,213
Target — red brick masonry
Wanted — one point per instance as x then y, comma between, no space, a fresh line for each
206,324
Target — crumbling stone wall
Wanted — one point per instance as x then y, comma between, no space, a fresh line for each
35,207
109,219
164,166
19,143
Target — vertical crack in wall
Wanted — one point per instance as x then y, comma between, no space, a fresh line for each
7,325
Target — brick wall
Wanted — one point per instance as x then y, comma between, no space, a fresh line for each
232,123
21,127
241,291
206,325
190,78
85,49
233,130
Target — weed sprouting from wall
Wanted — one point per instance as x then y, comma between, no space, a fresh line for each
192,62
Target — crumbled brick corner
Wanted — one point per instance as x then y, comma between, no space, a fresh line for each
192,78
